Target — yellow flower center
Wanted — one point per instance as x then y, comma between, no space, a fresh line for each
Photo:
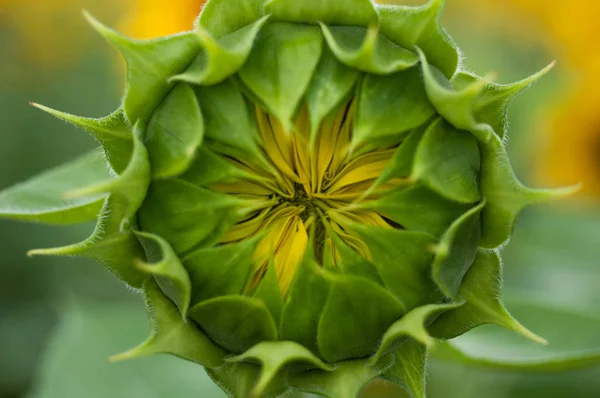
317,186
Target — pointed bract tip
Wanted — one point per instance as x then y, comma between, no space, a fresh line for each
547,195
44,108
548,67
96,24
55,251
106,32
528,81
523,331
565,192
136,352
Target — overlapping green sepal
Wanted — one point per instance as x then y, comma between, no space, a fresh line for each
221,58
481,290
173,335
281,85
420,26
150,64
470,107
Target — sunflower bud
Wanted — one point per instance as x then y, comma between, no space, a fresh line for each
307,193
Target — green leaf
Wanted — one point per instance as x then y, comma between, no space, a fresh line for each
447,161
150,63
221,270
112,243
73,364
334,12
555,250
173,209
515,357
409,368
417,208
420,26
509,383
41,198
456,251
355,316
550,281
304,304
112,132
481,288
171,334
403,259
164,265
221,17
331,84
346,381
367,50
175,132
390,106
572,336
274,357
281,67
221,58
235,323
130,186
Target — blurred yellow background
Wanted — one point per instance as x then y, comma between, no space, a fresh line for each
60,318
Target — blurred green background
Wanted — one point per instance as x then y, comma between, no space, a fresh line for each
61,318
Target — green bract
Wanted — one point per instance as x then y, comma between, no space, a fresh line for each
308,193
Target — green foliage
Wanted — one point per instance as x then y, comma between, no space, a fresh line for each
42,198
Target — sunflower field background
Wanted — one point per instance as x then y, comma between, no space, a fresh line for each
60,319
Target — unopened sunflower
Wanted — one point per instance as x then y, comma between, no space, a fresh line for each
307,193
